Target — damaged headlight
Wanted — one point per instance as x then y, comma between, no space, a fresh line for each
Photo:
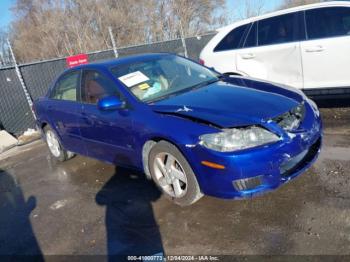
314,107
292,119
238,138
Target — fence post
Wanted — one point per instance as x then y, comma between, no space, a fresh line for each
183,40
20,77
113,42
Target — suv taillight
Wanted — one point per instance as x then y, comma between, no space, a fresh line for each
201,61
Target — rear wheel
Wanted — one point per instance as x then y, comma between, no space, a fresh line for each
55,147
173,175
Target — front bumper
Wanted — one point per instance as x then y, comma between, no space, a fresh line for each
255,171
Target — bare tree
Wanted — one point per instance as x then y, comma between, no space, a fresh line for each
293,3
247,8
5,57
44,29
254,7
194,16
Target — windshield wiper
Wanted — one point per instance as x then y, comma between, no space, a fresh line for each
221,76
202,84
205,83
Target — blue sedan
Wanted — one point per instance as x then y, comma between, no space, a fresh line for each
190,129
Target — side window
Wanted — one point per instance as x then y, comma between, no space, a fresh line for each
279,29
328,22
66,87
251,39
95,85
232,40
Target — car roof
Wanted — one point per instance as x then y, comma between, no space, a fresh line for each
283,11
119,61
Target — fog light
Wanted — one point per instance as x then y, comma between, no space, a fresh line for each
247,183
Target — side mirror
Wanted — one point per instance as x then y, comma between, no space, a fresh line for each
110,103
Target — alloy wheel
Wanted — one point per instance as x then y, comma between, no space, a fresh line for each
53,143
170,175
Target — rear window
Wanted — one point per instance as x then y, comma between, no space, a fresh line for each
232,40
328,22
66,87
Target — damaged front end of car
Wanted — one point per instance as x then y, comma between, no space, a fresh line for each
258,156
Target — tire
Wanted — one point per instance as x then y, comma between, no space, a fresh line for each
173,175
55,147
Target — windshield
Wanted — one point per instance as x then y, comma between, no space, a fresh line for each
161,77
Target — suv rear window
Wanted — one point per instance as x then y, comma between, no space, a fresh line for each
328,22
232,40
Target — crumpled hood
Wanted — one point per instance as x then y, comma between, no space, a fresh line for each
228,105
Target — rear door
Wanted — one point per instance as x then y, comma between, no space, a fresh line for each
271,50
107,134
326,53
64,111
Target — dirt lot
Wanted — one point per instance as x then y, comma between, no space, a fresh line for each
84,206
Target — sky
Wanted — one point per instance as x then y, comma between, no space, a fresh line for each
234,5
5,15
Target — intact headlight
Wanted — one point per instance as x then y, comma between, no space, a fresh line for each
238,138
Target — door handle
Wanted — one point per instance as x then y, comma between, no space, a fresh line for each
248,56
318,48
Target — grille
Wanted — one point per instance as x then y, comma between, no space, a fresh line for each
287,169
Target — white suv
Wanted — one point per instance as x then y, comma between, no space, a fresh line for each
307,47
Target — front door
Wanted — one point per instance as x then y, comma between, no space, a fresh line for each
225,51
107,134
272,51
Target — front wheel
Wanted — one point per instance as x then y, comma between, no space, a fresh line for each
173,175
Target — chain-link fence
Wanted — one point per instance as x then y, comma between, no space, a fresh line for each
15,113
